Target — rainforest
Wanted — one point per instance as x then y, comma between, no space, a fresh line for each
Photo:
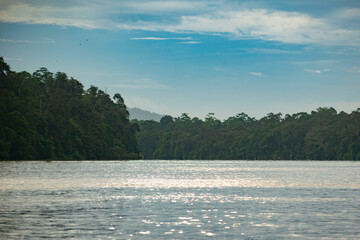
52,116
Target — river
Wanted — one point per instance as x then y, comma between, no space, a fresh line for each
180,200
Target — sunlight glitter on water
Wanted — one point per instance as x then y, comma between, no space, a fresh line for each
165,183
180,200
191,174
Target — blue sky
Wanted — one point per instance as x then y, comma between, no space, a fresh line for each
171,57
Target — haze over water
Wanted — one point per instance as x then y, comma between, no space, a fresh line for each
180,199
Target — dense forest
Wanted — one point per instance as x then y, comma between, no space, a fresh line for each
51,116
322,135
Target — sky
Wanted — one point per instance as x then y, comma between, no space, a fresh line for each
195,57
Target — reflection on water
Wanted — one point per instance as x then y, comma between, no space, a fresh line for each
180,199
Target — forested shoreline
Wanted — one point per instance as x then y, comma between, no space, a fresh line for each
51,116
323,134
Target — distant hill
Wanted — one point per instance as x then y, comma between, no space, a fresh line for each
139,114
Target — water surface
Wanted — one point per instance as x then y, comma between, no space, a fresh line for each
180,200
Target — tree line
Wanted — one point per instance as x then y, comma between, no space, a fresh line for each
323,134
51,116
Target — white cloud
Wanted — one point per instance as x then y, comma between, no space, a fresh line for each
258,74
205,17
164,6
267,51
87,16
160,39
45,40
320,63
313,71
142,83
354,69
289,27
317,71
143,103
347,13
190,42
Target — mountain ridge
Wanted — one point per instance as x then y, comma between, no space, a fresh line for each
141,114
